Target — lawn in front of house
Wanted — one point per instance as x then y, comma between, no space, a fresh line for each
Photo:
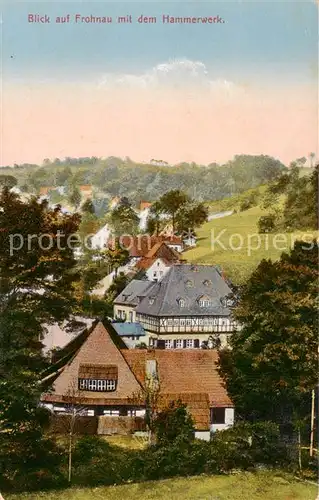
241,486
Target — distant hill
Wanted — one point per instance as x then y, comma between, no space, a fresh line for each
124,177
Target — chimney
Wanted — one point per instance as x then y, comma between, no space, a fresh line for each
151,368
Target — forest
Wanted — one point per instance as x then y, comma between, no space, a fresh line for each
140,181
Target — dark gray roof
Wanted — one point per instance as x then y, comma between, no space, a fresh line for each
189,283
130,294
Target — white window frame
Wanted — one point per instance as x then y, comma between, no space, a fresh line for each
179,344
189,343
169,344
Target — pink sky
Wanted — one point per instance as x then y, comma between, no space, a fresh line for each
186,124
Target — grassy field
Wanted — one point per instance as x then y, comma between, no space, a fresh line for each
239,231
244,486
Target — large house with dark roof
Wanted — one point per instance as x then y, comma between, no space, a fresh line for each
100,374
188,308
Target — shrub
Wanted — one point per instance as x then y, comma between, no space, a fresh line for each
174,424
245,445
267,224
40,468
96,462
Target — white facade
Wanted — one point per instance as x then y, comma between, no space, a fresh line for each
100,239
157,270
178,247
228,422
143,215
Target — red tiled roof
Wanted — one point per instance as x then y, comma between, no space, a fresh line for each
189,375
143,245
145,204
182,371
145,263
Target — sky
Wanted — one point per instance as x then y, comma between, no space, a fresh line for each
169,91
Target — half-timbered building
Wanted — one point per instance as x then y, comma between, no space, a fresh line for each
189,308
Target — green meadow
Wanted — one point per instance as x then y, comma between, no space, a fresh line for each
243,486
233,241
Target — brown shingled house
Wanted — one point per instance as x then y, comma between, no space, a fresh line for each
107,377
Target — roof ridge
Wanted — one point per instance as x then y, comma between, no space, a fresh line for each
170,272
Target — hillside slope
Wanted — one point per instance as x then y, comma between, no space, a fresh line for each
233,243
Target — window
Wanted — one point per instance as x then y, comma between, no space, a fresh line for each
218,415
204,303
181,322
179,344
189,344
169,322
188,322
151,300
181,303
161,273
100,385
207,282
189,283
131,316
169,344
155,274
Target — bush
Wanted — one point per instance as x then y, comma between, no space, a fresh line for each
245,445
38,468
96,462
174,424
267,224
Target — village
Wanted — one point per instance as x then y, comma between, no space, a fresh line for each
159,250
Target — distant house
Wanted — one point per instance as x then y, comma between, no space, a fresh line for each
132,333
145,204
140,246
158,261
105,377
187,308
86,191
101,238
114,202
44,190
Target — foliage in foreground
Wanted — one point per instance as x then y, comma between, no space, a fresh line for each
244,447
263,485
272,366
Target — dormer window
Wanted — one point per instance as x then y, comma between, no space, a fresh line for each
151,300
207,283
189,283
97,378
227,302
204,301
181,302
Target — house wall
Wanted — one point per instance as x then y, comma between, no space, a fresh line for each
157,270
229,421
188,324
201,336
204,435
120,311
176,246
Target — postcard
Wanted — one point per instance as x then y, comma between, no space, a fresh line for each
159,249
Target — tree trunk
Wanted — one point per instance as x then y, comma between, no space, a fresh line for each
299,449
70,458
